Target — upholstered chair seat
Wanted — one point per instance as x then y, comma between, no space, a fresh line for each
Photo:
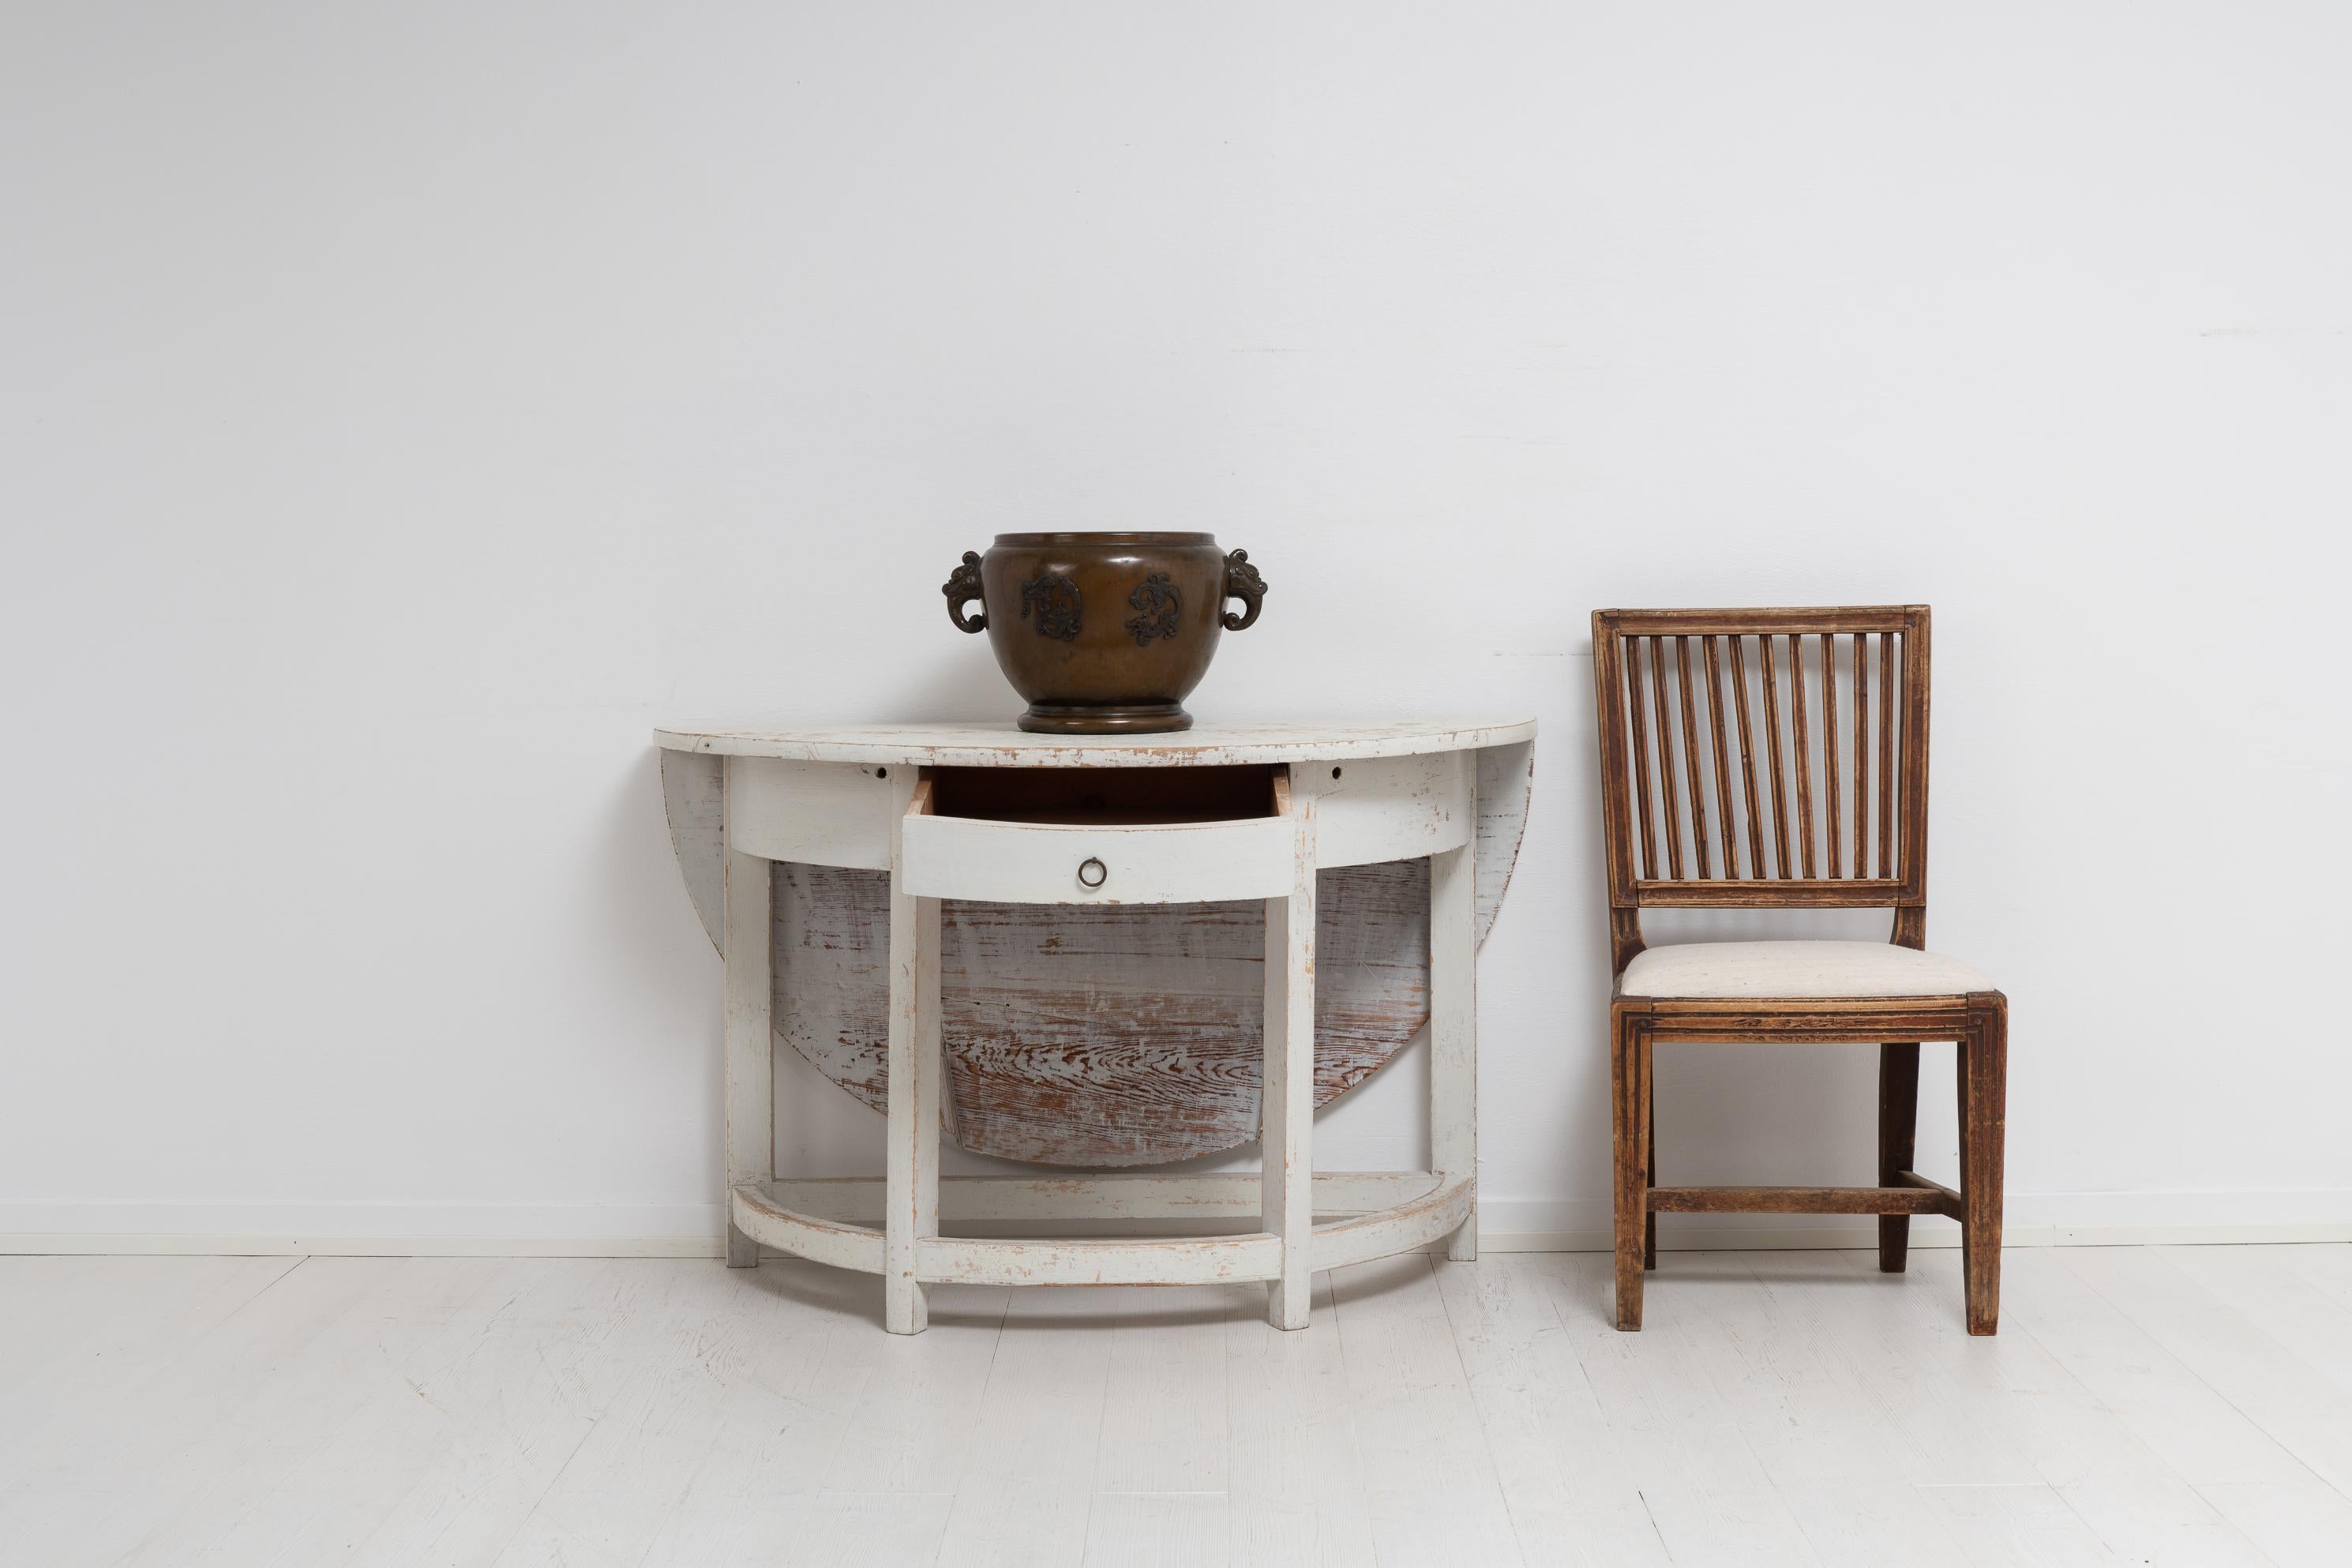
1787,969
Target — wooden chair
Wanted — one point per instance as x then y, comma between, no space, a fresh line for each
1684,799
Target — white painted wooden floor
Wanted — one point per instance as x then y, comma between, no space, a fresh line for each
2166,1406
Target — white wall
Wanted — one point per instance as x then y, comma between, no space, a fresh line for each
404,407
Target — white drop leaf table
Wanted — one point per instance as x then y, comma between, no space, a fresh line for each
1094,951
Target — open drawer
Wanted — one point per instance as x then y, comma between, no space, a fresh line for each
1055,836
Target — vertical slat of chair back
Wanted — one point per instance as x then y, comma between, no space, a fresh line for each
1667,789
1887,689
1829,758
1695,791
1747,758
1805,750
1862,759
1771,683
1722,761
1671,795
1641,798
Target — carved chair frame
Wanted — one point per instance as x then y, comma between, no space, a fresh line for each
1648,791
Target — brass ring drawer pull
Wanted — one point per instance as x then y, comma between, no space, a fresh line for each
1092,873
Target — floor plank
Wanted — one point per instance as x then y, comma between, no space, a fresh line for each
2292,1523
1572,1494
1862,1524
215,1473
2199,1434
653,1431
1730,1527
1164,1395
2163,1404
1809,1415
2328,1267
1987,1407
1674,1428
1157,1529
2161,1522
1295,1474
2274,1289
2016,1527
794,1378
77,1440
514,1406
1430,1482
1014,1525
2262,1353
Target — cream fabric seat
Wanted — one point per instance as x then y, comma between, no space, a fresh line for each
1797,969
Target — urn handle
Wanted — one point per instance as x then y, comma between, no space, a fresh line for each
1242,583
962,587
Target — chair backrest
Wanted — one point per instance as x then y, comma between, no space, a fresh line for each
1740,767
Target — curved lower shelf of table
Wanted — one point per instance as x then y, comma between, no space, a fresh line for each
757,1215
1383,1213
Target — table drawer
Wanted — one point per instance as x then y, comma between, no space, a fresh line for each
1056,863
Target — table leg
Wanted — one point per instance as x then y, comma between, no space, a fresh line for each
1453,1028
917,1069
1286,1126
751,1128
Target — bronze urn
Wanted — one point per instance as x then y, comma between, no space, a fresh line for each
1103,632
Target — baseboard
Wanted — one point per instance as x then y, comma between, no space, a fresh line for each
1925,1233
366,1230
2178,1218
691,1230
199,1243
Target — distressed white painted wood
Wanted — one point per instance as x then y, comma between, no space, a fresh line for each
1503,783
1107,1035
1441,1211
836,1221
1286,1141
751,1055
691,774
911,1215
1454,1022
754,1210
690,784
1393,809
826,814
1188,1083
1230,1194
694,798
997,743
824,805
1052,863
1092,1260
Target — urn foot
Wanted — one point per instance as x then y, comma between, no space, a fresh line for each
1105,718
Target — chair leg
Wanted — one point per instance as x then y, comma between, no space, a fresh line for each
1649,1163
1983,1096
1629,1076
1898,1126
